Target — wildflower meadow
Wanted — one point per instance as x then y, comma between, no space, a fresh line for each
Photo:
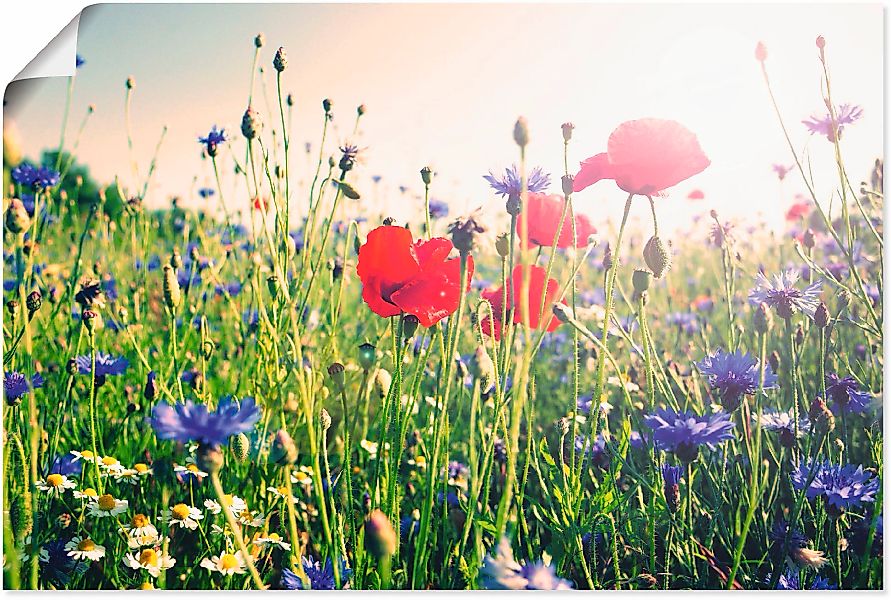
291,389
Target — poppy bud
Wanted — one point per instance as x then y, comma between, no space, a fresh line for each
361,110
763,318
567,131
567,182
409,326
33,302
607,262
380,538
150,391
657,256
251,123
482,368
348,190
259,40
240,446
382,381
326,105
325,420
280,61
172,295
641,279
844,299
426,175
367,356
17,219
502,245
335,371
521,132
761,52
821,416
774,361
283,451
130,83
821,43
210,458
799,335
807,239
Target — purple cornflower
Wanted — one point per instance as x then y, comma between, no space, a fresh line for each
458,473
349,153
438,209
683,433
320,578
847,397
845,114
791,580
213,139
782,295
671,479
193,422
16,385
106,364
509,185
732,376
841,486
784,425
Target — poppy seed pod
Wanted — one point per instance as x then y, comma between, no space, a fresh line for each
17,219
641,279
567,182
280,61
172,294
521,132
240,446
325,420
382,381
409,326
283,451
210,458
380,537
657,256
567,131
251,123
502,245
367,355
335,371
426,175
821,315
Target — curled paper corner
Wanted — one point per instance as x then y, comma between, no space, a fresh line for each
57,59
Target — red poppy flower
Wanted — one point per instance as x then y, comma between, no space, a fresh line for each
696,195
536,286
416,277
544,218
645,157
261,204
797,211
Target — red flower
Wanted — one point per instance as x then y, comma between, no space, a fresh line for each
536,285
261,204
645,157
544,218
399,275
799,210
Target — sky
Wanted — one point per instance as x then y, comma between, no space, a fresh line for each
444,84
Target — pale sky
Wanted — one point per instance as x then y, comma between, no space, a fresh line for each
444,84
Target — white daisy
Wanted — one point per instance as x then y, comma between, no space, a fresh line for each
84,549
110,464
190,469
152,560
272,540
84,455
55,484
107,505
143,469
419,462
149,539
130,476
251,519
280,493
182,515
141,526
225,563
87,494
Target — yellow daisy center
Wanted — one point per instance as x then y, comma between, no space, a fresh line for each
283,490
146,585
139,520
106,502
228,561
87,454
86,545
192,467
180,511
300,476
140,468
274,537
90,492
148,558
55,480
109,460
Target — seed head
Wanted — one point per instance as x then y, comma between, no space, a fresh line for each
172,294
280,61
251,123
657,256
33,302
17,219
367,356
567,131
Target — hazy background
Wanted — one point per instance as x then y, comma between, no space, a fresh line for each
444,84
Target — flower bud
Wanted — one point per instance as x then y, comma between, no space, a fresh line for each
821,315
240,446
210,458
807,239
172,294
335,371
521,132
251,123
150,391
761,52
380,537
502,245
33,302
326,105
821,416
464,231
272,284
821,43
763,318
482,368
774,361
361,110
409,326
657,256
71,367
280,61
12,307
562,425
562,312
427,175
567,182
382,381
607,262
259,40
130,83
641,279
17,219
176,260
799,335
325,420
88,318
367,356
567,131
283,451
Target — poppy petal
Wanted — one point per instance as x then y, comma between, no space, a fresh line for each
592,170
435,293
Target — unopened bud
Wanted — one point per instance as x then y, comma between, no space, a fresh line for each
380,537
562,312
821,315
763,318
259,40
521,132
34,301
17,219
251,123
172,294
210,458
325,420
567,182
807,239
240,446
382,381
426,175
567,131
502,245
657,256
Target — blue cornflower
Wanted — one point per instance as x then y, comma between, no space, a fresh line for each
25,174
348,155
777,535
584,445
783,424
734,375
213,139
501,571
846,394
66,464
409,526
671,475
16,385
438,209
842,486
193,422
79,61
509,185
106,364
206,192
319,578
791,580
671,479
45,178
845,114
782,295
543,577
683,433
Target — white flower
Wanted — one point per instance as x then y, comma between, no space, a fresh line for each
87,494
281,493
107,505
190,469
302,478
84,549
55,484
130,476
111,465
369,447
225,563
246,517
182,515
273,539
236,505
419,462
149,539
152,560
140,526
85,455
